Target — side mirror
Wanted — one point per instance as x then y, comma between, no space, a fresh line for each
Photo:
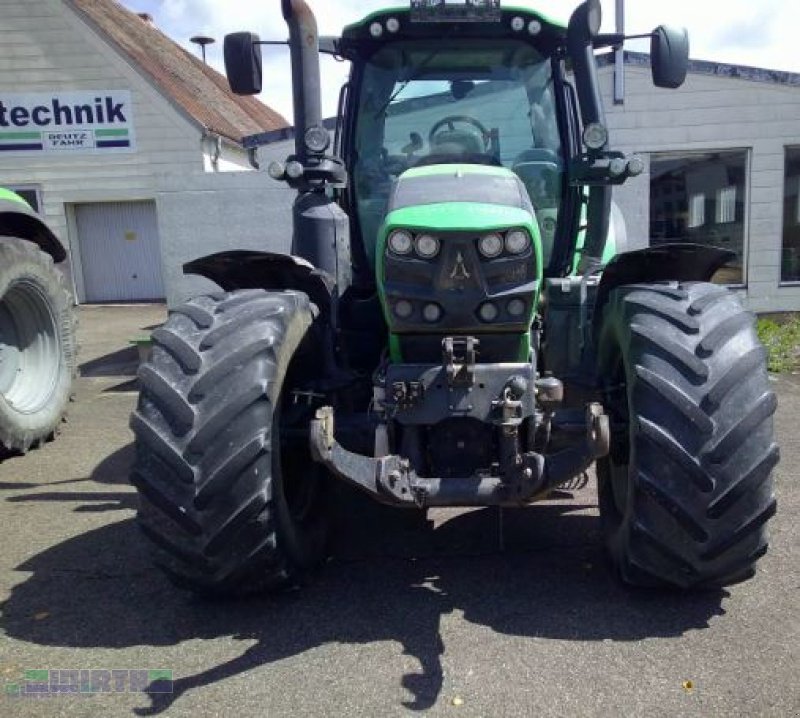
243,63
669,55
584,25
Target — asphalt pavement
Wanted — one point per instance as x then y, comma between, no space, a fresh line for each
472,613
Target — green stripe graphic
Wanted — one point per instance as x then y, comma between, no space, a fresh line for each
20,136
111,133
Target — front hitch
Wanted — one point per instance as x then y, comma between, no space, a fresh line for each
392,480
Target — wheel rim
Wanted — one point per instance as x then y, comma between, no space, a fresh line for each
30,359
300,475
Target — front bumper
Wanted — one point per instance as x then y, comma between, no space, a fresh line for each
392,480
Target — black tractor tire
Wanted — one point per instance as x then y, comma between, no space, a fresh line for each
227,505
38,346
686,492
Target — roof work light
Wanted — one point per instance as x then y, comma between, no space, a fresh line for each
461,10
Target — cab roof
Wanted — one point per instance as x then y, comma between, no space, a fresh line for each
358,36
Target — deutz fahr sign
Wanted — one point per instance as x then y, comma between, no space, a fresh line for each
93,121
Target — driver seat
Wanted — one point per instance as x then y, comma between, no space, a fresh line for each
456,142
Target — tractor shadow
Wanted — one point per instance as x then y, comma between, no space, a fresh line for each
113,470
391,579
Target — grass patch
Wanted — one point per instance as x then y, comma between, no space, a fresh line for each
782,342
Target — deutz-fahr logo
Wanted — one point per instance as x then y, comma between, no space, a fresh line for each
460,271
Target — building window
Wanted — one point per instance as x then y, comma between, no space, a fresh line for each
790,264
699,197
31,193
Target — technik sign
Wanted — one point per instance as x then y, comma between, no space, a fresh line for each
62,122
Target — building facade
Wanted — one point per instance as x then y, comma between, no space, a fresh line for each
97,107
723,165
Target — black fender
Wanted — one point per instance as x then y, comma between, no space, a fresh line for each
681,262
19,220
243,269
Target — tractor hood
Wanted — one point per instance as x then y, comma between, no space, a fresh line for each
459,253
462,183
458,198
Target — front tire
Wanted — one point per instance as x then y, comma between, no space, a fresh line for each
228,505
686,492
37,346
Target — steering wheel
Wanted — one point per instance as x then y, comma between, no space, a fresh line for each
450,121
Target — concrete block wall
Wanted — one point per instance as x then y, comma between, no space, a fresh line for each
715,113
208,213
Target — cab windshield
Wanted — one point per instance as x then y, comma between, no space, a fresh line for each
425,102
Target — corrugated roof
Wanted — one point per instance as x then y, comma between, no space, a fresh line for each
199,90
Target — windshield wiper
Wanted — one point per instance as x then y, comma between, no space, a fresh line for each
417,72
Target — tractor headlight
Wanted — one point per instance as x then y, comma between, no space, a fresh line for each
517,241
516,307
317,139
491,245
403,309
427,246
432,313
401,242
488,312
595,136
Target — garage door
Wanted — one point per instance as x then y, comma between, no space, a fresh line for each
120,254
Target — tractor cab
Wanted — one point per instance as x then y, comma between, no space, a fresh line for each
420,102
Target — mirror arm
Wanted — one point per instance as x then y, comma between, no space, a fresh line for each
616,40
328,44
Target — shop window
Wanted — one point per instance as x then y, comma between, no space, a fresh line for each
790,264
699,197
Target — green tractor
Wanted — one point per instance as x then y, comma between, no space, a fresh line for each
458,323
37,329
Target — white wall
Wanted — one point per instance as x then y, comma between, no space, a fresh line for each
208,213
713,113
44,46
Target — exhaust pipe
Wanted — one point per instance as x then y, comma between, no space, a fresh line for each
306,88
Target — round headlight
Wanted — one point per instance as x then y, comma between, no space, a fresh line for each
516,307
294,170
517,241
595,136
517,23
534,27
317,138
617,166
427,246
403,309
276,170
491,245
488,312
432,313
376,29
392,24
401,242
635,166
